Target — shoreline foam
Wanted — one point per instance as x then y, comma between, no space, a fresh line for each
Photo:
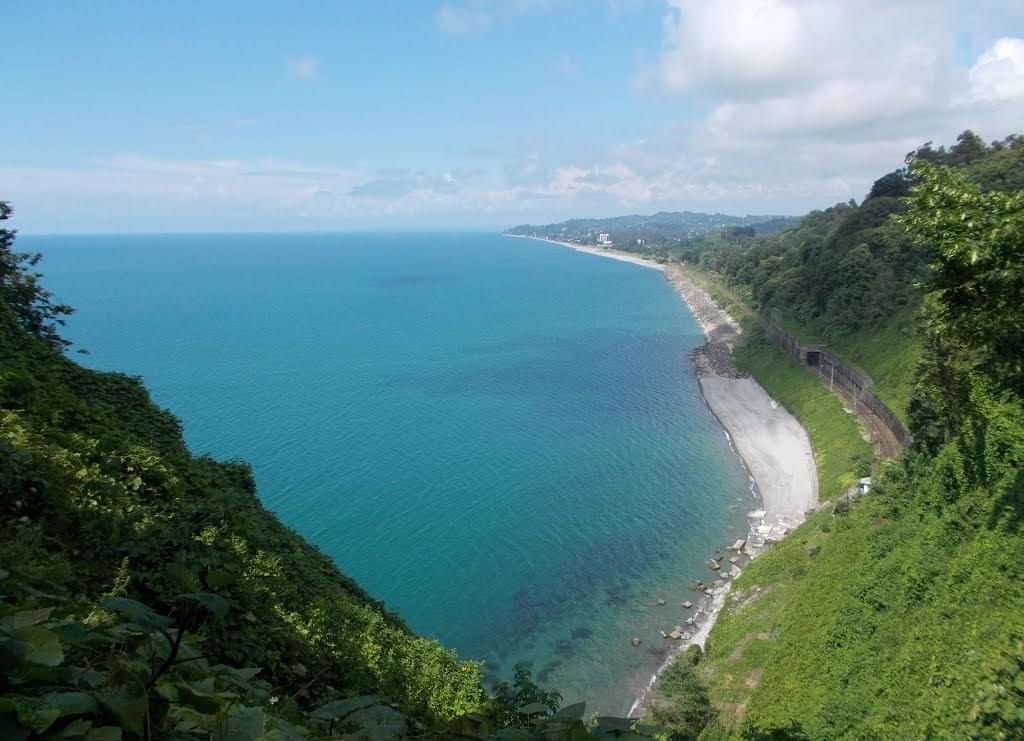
772,444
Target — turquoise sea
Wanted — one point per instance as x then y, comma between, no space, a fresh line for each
500,438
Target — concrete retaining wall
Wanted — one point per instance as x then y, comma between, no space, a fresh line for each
832,370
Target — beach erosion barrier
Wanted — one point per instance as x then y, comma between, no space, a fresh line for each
833,371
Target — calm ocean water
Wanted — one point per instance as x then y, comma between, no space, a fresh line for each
500,438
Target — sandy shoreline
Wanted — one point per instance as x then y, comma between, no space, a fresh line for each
771,443
601,251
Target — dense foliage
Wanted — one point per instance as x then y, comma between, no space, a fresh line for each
146,593
850,275
31,305
900,614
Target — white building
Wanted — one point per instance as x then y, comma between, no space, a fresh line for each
604,238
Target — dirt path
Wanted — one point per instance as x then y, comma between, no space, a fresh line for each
885,442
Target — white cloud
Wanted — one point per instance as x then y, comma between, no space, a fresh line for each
999,72
305,67
781,66
799,104
462,19
785,105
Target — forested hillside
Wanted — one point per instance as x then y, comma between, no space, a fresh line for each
653,232
899,613
146,594
849,275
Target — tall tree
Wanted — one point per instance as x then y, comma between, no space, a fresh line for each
976,240
20,290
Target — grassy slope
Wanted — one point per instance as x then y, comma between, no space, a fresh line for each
839,446
835,434
738,649
866,625
102,497
892,371
882,621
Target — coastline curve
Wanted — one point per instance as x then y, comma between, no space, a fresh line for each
770,442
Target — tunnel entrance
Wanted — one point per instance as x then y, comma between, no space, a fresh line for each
813,358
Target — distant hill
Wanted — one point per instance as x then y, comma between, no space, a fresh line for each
659,227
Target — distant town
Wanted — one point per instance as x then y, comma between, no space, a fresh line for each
648,232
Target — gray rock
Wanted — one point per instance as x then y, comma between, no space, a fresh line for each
687,605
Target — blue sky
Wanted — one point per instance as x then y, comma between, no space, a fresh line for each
479,113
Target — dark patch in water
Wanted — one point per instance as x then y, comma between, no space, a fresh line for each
581,634
545,674
565,649
658,652
617,595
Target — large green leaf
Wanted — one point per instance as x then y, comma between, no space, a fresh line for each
535,708
243,723
572,712
203,700
136,612
340,708
77,728
44,645
32,712
212,603
104,733
379,723
127,704
72,703
22,619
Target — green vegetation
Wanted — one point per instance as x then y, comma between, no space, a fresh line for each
900,613
657,231
889,354
683,705
840,450
849,276
841,453
146,593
